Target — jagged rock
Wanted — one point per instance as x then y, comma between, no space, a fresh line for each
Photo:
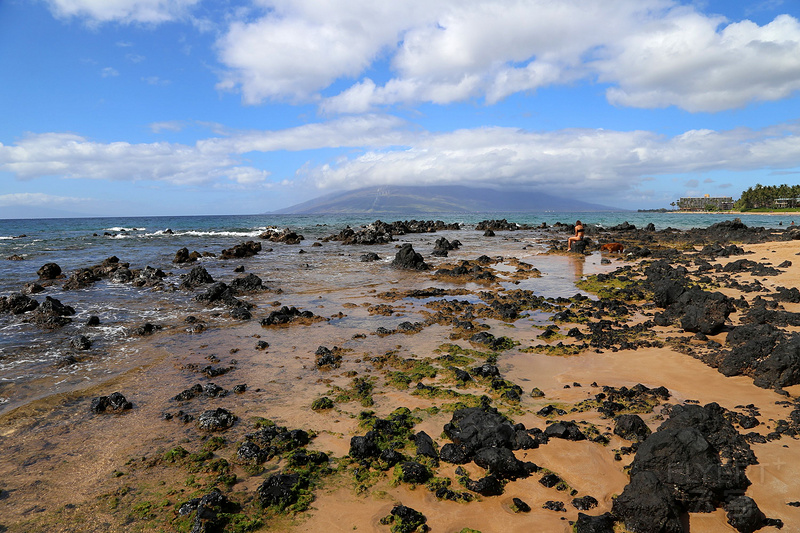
49,271
414,472
284,316
52,314
114,403
475,428
405,520
364,447
442,246
486,486
80,279
247,249
594,524
285,236
744,515
212,511
407,258
646,504
197,276
17,303
80,342
585,503
250,452
502,463
326,358
220,292
280,490
247,284
146,329
370,256
218,419
631,427
455,454
425,446
564,430
149,277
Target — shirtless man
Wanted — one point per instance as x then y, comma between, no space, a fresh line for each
578,235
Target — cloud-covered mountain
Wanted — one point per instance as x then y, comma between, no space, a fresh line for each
438,199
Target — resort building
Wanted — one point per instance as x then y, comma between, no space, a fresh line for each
786,203
706,203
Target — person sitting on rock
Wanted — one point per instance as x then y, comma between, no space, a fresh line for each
577,237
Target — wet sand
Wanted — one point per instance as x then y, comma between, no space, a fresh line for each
66,469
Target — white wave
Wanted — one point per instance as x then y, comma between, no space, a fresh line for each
196,233
2,238
121,228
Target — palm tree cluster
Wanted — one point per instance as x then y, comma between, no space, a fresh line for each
764,196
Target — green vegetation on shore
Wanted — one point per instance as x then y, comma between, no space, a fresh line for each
761,198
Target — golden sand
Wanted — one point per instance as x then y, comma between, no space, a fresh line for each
62,469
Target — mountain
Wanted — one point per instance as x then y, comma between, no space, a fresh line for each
390,200
27,211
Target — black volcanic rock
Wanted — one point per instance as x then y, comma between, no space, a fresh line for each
407,258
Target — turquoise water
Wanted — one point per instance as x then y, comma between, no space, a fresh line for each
79,242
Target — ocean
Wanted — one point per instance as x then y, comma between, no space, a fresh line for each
35,363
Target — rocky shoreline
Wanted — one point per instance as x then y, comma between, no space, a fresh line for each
443,394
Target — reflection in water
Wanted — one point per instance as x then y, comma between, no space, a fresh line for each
578,262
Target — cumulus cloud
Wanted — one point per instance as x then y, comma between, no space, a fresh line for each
208,161
652,53
687,62
383,150
72,156
126,11
580,161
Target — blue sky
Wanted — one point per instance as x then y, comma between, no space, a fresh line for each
159,107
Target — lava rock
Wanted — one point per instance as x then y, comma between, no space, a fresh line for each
196,276
564,430
49,271
17,303
407,258
218,419
414,472
247,284
594,524
631,427
80,342
646,504
115,403
280,490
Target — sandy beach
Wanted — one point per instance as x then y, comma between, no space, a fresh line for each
67,468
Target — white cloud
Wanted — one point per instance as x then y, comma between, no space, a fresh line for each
209,161
126,11
167,125
379,150
247,175
685,61
109,72
301,46
575,161
37,199
652,53
71,156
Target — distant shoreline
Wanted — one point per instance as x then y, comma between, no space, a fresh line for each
762,213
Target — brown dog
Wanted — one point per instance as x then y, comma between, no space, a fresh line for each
612,247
